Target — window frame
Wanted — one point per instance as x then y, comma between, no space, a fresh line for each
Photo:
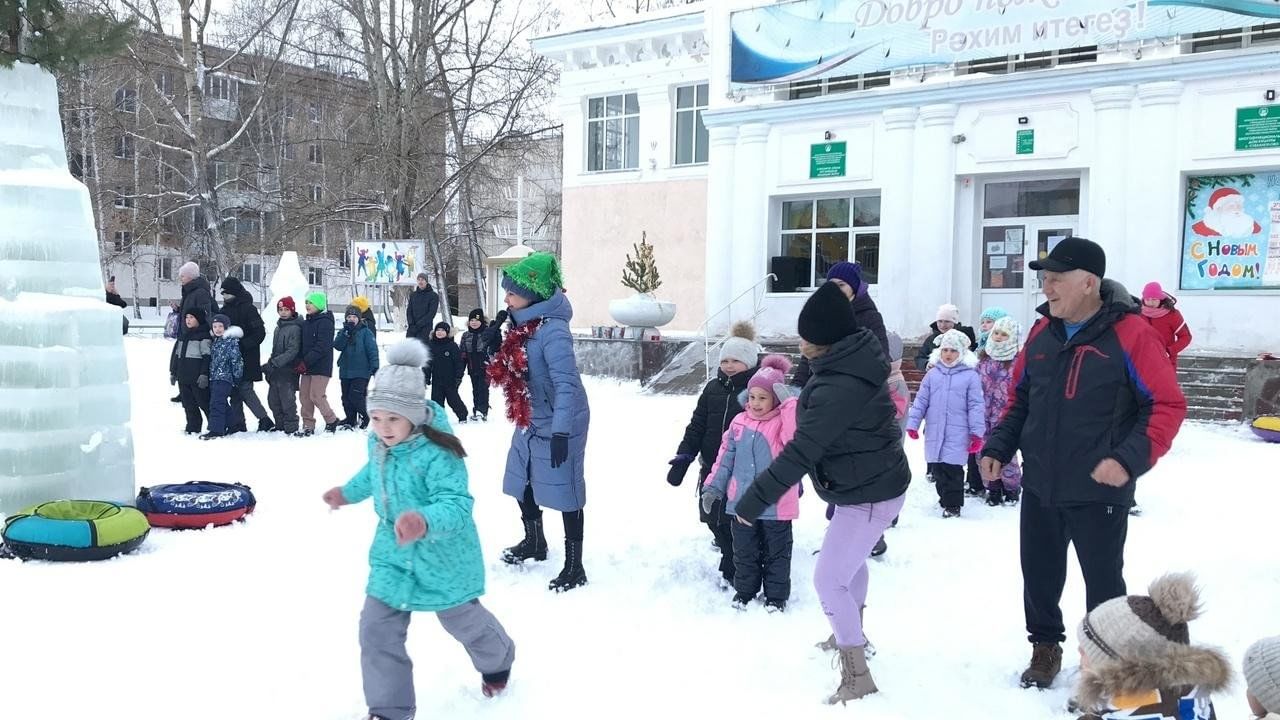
124,149
699,129
315,153
164,269
122,201
126,99
220,87
315,111
315,272
122,241
855,234
603,121
317,236
251,272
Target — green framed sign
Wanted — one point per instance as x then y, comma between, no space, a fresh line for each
827,160
1258,128
1026,142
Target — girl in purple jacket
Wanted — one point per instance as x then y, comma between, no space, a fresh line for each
950,405
995,368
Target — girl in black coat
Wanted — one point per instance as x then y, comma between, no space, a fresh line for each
445,369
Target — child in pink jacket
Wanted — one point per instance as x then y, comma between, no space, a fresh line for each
762,550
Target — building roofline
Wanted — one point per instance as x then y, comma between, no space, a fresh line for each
1003,87
631,31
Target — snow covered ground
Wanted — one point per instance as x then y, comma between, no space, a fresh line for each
259,620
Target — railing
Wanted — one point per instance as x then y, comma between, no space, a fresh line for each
710,347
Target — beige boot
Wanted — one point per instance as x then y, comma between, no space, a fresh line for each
855,677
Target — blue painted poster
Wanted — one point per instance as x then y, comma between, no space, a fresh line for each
1231,234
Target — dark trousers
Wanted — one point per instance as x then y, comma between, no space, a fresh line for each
1097,531
220,406
762,556
353,401
194,400
479,391
949,482
447,392
245,396
573,521
973,476
721,528
282,396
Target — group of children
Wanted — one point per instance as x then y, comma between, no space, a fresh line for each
207,365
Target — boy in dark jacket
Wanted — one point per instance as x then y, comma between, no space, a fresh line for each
445,369
237,305
357,362
282,377
189,368
226,367
316,366
476,352
717,407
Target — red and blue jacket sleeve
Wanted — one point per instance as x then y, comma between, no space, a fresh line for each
1161,405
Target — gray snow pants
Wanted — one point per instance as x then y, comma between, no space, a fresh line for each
387,669
245,396
282,396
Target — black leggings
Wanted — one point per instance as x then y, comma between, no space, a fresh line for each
529,510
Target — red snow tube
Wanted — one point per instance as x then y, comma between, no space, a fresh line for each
195,505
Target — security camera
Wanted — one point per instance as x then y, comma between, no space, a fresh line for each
957,139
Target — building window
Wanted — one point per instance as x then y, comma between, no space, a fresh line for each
123,240
290,151
372,231
1031,198
315,154
81,166
251,273
314,111
164,268
219,87
127,100
247,225
164,83
218,171
317,236
315,276
1233,39
830,86
613,133
124,147
691,134
1005,64
344,259
288,108
820,232
123,200
317,193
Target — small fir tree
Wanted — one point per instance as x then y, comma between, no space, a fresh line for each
641,273
43,32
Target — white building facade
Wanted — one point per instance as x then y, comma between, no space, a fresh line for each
942,178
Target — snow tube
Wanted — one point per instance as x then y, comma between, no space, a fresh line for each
192,505
74,530
1267,427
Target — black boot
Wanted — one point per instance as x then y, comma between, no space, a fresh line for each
532,547
266,425
572,576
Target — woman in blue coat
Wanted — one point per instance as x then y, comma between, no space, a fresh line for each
538,373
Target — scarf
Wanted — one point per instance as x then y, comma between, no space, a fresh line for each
1002,351
509,369
1151,313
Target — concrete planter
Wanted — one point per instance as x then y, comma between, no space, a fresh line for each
642,310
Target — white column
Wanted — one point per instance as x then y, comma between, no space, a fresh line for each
897,151
750,239
929,281
656,121
720,212
1108,184
1153,246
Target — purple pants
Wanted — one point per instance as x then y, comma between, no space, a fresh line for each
841,575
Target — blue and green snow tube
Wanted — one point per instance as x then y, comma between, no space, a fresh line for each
74,530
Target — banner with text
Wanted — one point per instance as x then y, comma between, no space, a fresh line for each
1231,240
811,39
386,262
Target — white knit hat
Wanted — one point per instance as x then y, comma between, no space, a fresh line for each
953,340
741,346
1262,672
399,386
948,312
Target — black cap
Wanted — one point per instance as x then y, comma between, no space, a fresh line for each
827,316
1074,253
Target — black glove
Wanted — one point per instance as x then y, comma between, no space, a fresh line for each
679,466
559,449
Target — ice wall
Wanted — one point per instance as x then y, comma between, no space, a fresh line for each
64,394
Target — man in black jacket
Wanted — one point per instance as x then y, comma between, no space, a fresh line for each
1095,405
424,303
195,295
238,306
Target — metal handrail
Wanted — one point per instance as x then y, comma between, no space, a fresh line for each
709,346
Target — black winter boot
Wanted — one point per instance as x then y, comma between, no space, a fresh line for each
266,425
532,547
572,576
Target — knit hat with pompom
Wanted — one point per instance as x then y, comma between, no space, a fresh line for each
741,346
398,386
773,371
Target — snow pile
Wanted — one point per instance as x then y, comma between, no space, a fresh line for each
64,399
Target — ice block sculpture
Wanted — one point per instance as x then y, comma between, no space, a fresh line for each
64,394
288,281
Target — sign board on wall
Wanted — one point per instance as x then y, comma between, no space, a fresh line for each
827,160
1258,128
1026,143
1231,239
386,262
810,39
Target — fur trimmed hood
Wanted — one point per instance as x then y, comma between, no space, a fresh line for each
233,332
1155,668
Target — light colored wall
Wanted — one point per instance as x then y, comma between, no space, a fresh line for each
601,222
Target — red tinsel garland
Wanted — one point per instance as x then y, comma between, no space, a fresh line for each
509,369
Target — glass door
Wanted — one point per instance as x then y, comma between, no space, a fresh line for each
1047,236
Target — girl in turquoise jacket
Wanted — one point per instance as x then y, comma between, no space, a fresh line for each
426,552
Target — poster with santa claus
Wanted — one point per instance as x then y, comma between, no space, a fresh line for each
1232,234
